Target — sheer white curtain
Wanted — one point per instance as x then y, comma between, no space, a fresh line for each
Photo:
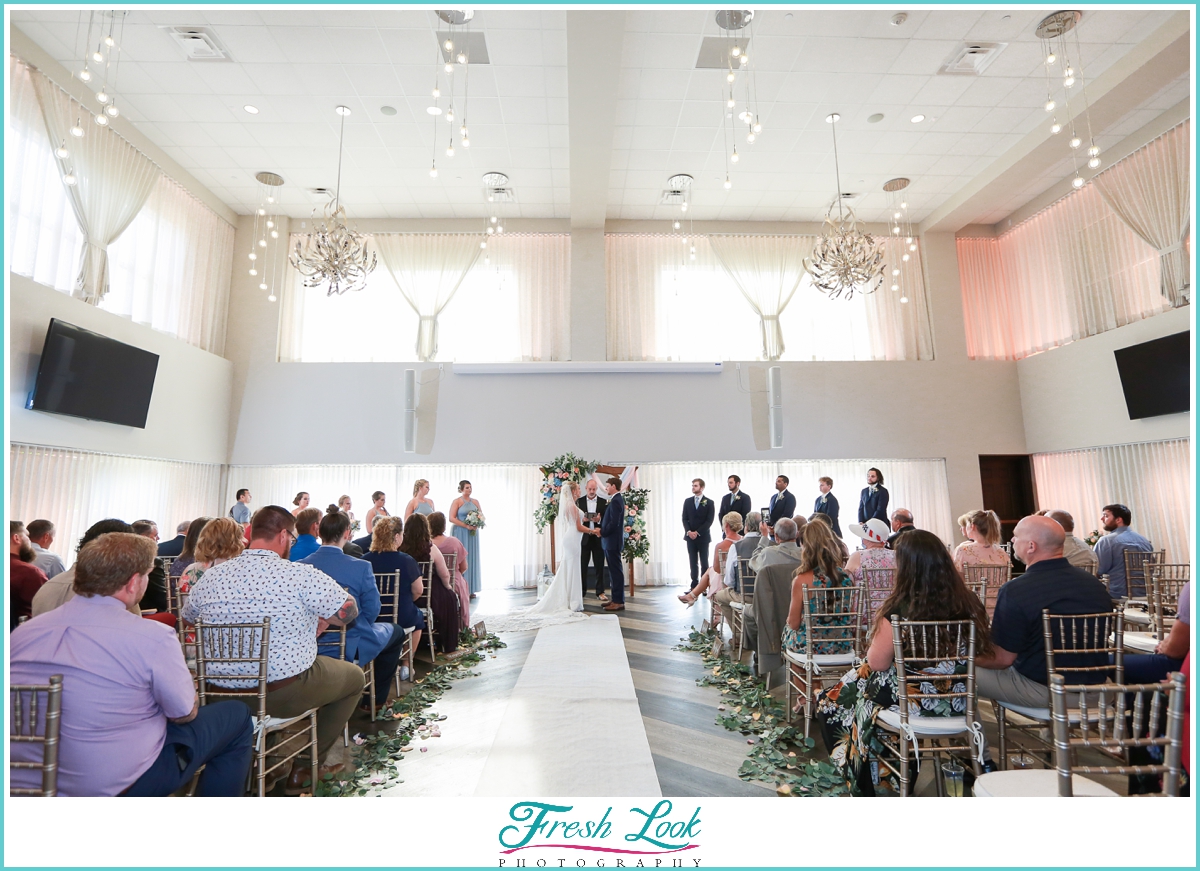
919,485
428,269
1153,479
540,263
74,489
1072,270
767,270
170,269
1151,192
664,304
114,180
511,552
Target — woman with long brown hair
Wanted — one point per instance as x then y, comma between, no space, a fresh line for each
928,587
820,566
418,544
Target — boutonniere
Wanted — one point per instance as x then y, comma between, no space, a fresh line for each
703,501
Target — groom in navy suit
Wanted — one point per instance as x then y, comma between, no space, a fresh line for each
612,537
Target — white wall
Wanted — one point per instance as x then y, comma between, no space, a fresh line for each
1071,396
189,410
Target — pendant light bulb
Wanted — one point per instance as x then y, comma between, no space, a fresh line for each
61,152
733,158
450,68
111,110
499,228
433,171
491,230
69,179
270,199
450,149
744,59
895,231
729,103
254,272
1049,107
1093,151
1050,59
905,258
728,183
262,286
262,212
904,300
85,75
908,241
437,92
466,143
109,41
735,51
683,207
98,56
895,287
101,120
757,127
271,298
253,256
1056,128
1077,182
262,243
462,131
462,58
750,138
483,244
1094,162
493,219
895,272
1075,142
1069,82
450,116
729,78
274,234
101,97
911,247
896,216
676,225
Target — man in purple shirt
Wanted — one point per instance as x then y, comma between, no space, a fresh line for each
131,724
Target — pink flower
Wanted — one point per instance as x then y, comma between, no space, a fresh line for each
629,529
632,512
636,536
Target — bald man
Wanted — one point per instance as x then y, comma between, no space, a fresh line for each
1016,673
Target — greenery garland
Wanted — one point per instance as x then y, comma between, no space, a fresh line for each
751,710
637,545
559,471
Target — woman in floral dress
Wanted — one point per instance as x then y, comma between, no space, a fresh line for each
820,566
982,547
928,587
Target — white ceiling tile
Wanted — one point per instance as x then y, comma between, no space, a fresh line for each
922,57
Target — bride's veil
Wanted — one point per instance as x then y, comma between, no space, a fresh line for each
566,512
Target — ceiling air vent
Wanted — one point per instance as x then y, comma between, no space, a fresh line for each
972,58
199,43
501,195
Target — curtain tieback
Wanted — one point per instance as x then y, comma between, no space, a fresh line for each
1170,249
769,317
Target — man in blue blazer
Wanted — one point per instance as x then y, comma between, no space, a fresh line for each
612,538
827,504
366,640
783,503
873,501
174,547
698,513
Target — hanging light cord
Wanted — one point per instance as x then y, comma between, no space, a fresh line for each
337,197
836,170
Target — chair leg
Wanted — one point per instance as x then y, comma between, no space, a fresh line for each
808,678
312,746
1001,731
370,676
904,788
787,694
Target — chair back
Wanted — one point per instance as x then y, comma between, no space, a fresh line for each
36,711
922,646
423,601
451,562
1154,723
1080,646
878,585
745,580
1166,582
979,588
166,561
388,585
233,653
722,561
332,642
995,577
832,620
1136,586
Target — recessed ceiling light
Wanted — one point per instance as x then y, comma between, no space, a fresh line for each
253,110
917,119
876,118
387,110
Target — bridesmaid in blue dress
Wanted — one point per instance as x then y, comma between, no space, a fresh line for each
459,509
419,504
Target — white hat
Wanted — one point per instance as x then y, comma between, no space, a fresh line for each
873,530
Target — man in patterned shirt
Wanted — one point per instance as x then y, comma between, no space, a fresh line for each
302,602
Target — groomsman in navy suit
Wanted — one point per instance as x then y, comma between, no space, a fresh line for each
783,503
873,502
698,513
827,504
612,537
734,500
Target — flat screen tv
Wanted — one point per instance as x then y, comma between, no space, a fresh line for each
85,374
1155,376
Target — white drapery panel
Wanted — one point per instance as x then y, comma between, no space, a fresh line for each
74,489
1072,270
1151,192
512,305
170,269
511,552
428,269
1153,479
664,305
919,485
114,181
767,270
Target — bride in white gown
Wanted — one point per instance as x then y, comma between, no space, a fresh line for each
563,602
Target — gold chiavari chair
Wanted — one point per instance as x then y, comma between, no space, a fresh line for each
995,576
451,562
877,586
722,562
1166,582
1157,723
1137,587
746,591
388,585
237,653
979,588
425,604
332,643
34,721
833,624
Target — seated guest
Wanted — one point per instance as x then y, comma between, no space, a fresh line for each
874,555
731,524
25,579
61,588
301,602
131,721
1110,549
366,640
801,521
982,547
902,522
220,540
820,567
1016,672
385,557
367,540
448,544
188,554
1075,550
306,534
843,548
786,550
156,590
41,536
927,588
174,547
442,601
744,548
1169,654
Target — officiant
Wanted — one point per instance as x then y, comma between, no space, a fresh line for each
591,507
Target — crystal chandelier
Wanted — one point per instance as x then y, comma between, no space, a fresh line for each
333,254
845,259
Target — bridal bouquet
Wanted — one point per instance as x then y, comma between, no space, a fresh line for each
636,546
559,471
475,520
1093,538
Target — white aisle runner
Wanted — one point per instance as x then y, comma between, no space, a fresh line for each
572,726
